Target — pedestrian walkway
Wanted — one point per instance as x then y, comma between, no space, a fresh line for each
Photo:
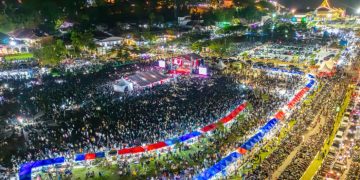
306,136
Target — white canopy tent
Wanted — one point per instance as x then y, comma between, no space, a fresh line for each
123,85
220,65
326,66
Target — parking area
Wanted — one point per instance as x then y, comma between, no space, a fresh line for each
311,54
344,151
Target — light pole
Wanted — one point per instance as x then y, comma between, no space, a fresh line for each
358,11
273,25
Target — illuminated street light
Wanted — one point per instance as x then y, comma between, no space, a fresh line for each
293,11
12,43
358,11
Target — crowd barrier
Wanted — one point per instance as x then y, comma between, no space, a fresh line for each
259,135
25,169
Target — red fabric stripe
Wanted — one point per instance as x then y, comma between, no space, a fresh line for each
208,127
90,156
124,151
241,151
137,149
156,146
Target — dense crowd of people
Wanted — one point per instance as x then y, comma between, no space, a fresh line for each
308,147
222,143
51,117
85,120
83,114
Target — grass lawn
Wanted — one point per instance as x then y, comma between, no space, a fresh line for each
20,56
108,173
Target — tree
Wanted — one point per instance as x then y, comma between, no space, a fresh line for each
224,14
231,29
220,126
82,41
285,31
241,118
243,3
59,22
266,6
302,26
219,47
147,35
265,97
51,52
249,106
312,62
151,19
123,54
250,13
196,46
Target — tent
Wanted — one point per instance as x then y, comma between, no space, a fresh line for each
189,136
79,157
257,137
268,126
220,166
156,146
241,150
124,151
137,149
209,127
220,65
280,115
123,85
173,141
325,68
233,114
248,145
100,154
90,156
310,84
25,169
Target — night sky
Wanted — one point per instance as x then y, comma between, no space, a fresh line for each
302,4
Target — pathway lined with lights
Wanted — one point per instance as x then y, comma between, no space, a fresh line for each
306,136
247,147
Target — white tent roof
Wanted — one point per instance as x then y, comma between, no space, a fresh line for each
109,39
221,65
122,85
122,82
326,67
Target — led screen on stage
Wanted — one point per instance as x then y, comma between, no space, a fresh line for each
202,71
162,63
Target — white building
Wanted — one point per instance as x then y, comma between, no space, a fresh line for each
107,44
183,21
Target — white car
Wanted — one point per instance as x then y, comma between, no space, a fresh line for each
339,136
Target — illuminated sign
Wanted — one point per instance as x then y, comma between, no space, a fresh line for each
202,71
162,63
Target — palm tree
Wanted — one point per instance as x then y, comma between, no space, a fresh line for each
220,126
249,106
